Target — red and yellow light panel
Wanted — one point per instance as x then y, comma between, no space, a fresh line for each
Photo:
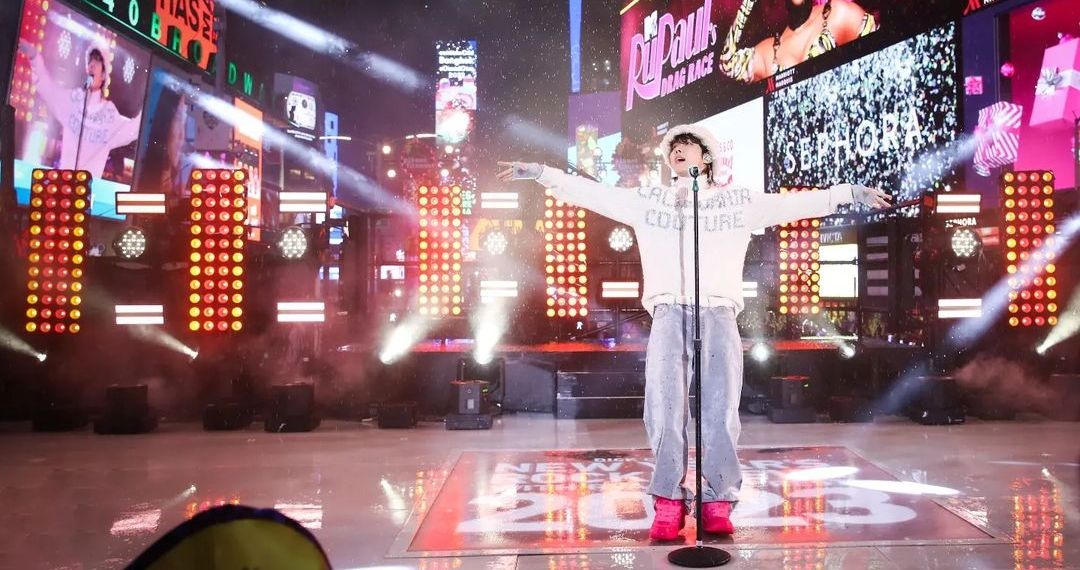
1028,207
35,16
216,250
565,259
59,202
799,248
440,240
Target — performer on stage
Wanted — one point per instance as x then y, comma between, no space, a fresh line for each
662,219
95,120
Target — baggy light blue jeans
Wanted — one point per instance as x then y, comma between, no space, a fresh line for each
669,362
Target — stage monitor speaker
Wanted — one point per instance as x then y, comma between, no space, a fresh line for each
790,401
396,415
292,408
1066,402
595,395
227,415
127,411
935,401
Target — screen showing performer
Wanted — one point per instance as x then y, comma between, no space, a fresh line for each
78,92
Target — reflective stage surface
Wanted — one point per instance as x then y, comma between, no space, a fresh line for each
887,495
537,501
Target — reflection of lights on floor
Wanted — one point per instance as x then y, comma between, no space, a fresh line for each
1039,521
309,515
821,473
797,498
138,522
195,507
394,500
901,487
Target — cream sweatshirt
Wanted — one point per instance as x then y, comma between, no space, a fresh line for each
662,220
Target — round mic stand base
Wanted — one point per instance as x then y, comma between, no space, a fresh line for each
699,557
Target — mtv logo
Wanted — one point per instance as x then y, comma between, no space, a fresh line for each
651,25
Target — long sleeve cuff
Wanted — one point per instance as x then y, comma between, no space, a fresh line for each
839,195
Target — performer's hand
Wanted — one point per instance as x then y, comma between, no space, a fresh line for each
868,196
519,171
26,48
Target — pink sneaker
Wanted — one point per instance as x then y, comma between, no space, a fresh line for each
669,520
716,518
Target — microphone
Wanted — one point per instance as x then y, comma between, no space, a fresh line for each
694,171
89,81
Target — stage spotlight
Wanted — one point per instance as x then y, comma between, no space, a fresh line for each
760,352
131,244
391,173
401,339
489,325
847,351
495,242
9,341
621,239
293,243
387,149
965,243
159,336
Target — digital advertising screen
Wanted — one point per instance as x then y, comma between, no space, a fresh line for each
248,155
298,101
679,57
1021,69
168,138
455,93
887,120
740,160
78,91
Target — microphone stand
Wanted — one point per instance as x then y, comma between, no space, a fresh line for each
697,556
82,120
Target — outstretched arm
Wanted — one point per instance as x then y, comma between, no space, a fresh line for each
765,210
57,99
615,203
125,131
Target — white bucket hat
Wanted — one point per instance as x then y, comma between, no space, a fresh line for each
106,57
708,142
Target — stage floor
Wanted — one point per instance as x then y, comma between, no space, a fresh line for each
539,493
